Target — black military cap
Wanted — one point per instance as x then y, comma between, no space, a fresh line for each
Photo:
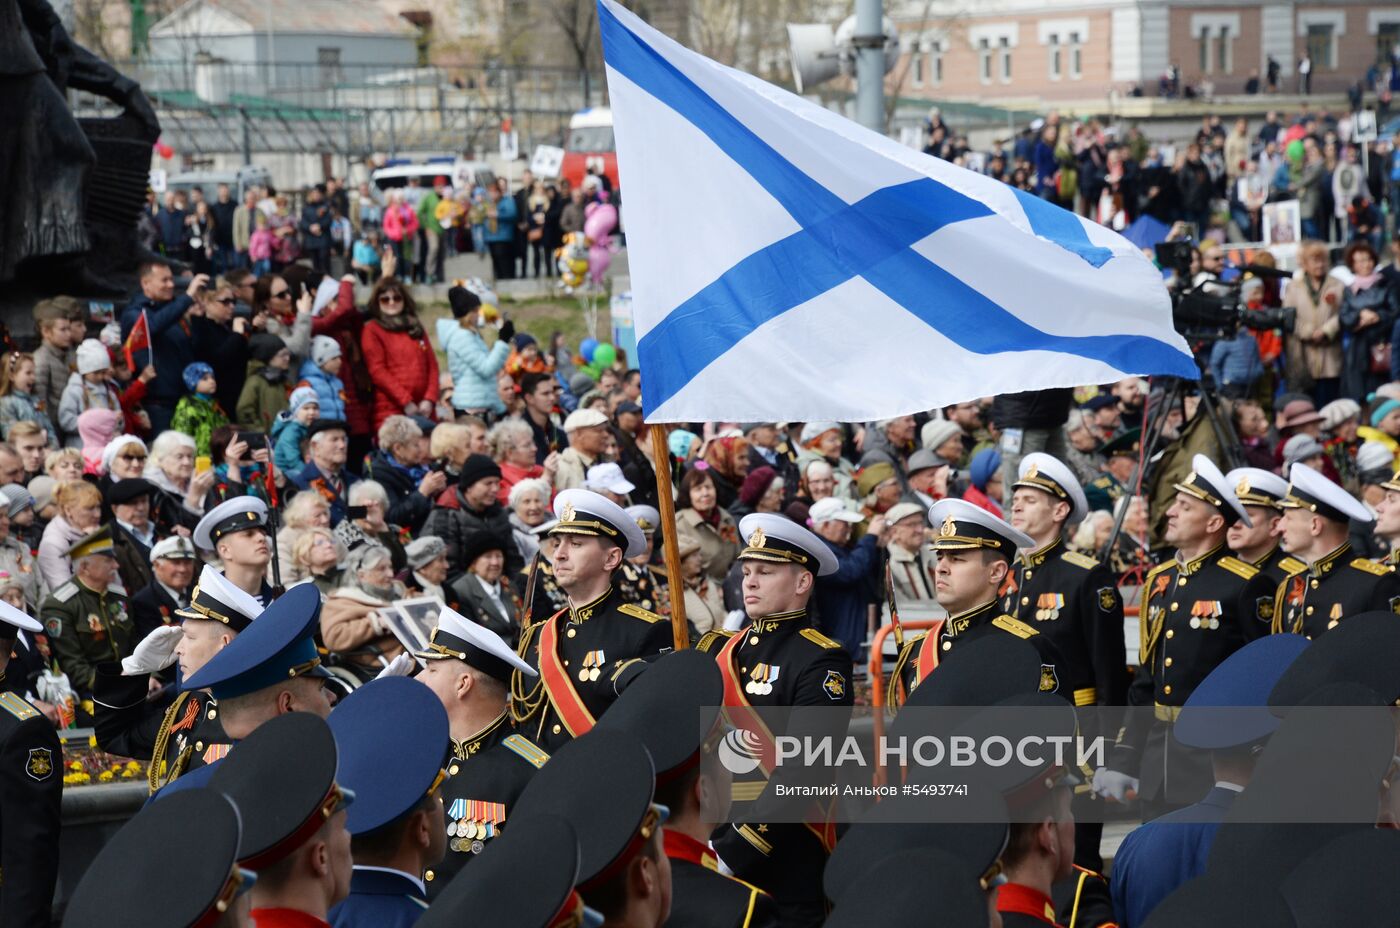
283,778
525,878
125,491
602,783
1360,649
672,709
196,881
899,824
918,887
1348,881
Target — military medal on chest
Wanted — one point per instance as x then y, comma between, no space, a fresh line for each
1048,606
471,822
1206,614
592,666
760,682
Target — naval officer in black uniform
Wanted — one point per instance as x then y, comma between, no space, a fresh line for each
975,550
1260,544
1197,609
31,790
580,653
779,660
1336,582
469,668
177,733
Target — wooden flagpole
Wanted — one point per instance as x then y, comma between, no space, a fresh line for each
680,631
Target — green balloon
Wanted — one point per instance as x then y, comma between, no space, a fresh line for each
1295,150
604,356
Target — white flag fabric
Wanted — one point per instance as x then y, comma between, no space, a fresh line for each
789,265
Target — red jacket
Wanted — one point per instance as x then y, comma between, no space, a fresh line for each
404,369
343,323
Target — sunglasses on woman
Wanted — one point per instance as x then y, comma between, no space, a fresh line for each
280,295
391,297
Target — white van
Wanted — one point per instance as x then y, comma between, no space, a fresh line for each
462,174
250,175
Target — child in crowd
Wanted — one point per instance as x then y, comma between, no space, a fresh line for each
364,257
261,244
321,372
96,427
17,400
90,387
198,413
54,358
265,391
289,431
525,357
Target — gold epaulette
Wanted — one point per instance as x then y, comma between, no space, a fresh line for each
1079,560
1238,567
817,638
1015,626
1292,565
527,749
712,638
637,612
17,706
1370,567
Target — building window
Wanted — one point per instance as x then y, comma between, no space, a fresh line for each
1005,60
1054,43
935,65
1205,51
328,65
1222,50
1076,57
1387,42
1320,44
984,60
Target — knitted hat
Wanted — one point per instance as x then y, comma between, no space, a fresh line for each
1383,410
756,484
264,346
1374,455
984,465
196,372
93,357
477,467
300,397
524,340
936,433
581,383
423,551
17,497
680,442
1300,448
1337,412
478,543
463,301
41,488
97,426
324,349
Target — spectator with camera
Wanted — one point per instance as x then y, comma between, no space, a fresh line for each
172,347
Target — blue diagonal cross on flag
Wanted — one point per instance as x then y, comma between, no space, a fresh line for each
788,264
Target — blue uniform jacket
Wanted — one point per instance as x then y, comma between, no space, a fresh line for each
1162,854
379,899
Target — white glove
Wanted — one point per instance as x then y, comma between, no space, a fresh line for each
53,687
155,652
1110,784
401,666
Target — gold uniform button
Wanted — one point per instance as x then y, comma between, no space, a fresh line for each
1025,600
452,770
427,876
199,745
1168,662
1313,584
570,633
1180,581
1174,606
947,645
566,662
556,729
1309,610
753,639
1029,574
1167,689
1171,633
212,714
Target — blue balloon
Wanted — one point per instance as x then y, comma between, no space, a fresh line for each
587,347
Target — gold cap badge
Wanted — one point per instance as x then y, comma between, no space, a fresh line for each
1242,487
568,514
758,539
1033,471
948,528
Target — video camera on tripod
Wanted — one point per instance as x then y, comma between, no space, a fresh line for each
1213,309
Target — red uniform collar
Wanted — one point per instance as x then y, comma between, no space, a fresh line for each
679,846
1017,897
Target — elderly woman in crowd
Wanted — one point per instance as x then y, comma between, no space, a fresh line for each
453,442
823,441
372,527
529,509
1082,455
15,557
984,485
762,492
818,481
513,448
427,568
944,439
701,515
352,623
878,487
64,465
79,514
180,492
1368,312
484,598
315,559
305,511
704,598
1314,347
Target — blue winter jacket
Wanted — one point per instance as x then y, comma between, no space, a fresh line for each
170,338
287,435
330,389
473,366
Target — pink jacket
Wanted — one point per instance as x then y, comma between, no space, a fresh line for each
400,222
